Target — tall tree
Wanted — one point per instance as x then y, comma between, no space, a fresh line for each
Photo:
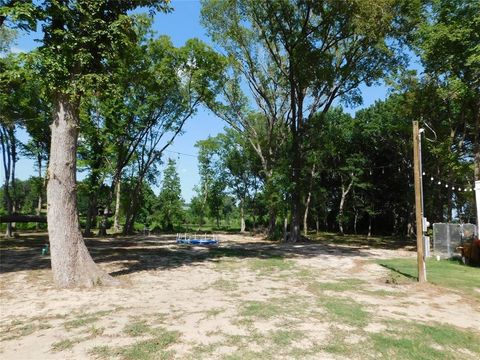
448,46
79,39
170,202
322,50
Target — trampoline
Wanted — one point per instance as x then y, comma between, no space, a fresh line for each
187,239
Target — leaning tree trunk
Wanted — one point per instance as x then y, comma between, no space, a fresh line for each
72,264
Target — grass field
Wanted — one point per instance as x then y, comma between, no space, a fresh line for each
450,274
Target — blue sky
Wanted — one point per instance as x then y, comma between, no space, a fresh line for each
181,24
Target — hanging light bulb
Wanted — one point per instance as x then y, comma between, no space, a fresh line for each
446,186
431,178
453,187
423,173
439,183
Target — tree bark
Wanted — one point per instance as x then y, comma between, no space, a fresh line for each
131,212
92,204
242,217
296,166
272,221
13,145
39,202
7,161
342,203
355,219
116,219
369,226
72,265
307,203
285,229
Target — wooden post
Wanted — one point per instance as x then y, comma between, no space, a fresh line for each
422,273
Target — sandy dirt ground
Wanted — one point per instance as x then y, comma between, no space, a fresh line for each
202,295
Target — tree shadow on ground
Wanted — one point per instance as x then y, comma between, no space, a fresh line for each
375,242
395,270
142,253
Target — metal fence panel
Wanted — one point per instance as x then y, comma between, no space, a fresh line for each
447,237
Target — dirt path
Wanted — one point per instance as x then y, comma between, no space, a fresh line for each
217,303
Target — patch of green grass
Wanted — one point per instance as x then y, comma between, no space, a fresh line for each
155,348
342,285
95,331
17,329
211,313
260,309
271,264
85,319
450,337
224,285
346,311
245,354
291,307
384,293
405,340
101,352
283,338
446,273
137,328
63,345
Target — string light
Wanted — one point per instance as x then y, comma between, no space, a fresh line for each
454,187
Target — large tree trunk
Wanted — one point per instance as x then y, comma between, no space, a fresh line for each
116,219
72,264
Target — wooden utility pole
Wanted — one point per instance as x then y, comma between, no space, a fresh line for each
417,171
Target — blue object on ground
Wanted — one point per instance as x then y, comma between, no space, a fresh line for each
197,241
